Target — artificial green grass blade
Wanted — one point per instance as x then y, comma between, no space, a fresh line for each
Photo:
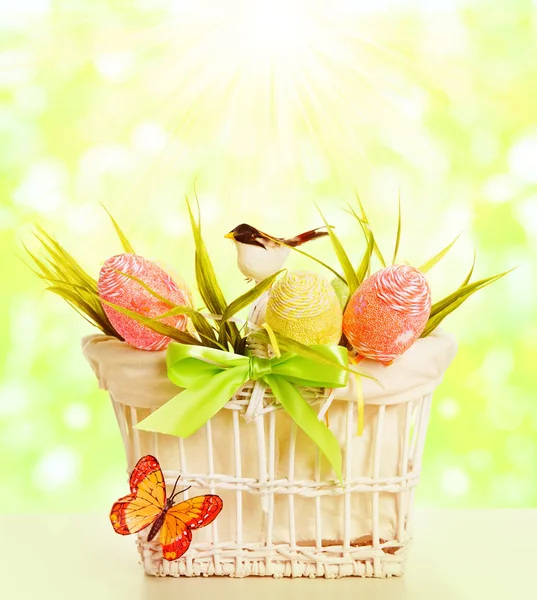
201,324
350,276
208,286
66,278
363,269
364,224
438,257
62,262
249,297
172,332
464,290
147,288
209,289
210,343
122,237
469,276
398,236
440,310
241,346
71,278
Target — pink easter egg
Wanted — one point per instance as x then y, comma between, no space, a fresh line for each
127,293
388,313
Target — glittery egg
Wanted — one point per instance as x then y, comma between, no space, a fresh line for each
387,313
304,306
127,293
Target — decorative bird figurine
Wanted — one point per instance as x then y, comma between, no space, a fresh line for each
260,255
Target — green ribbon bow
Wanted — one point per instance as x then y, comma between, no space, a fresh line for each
211,377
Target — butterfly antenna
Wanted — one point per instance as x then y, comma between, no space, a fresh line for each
180,492
175,487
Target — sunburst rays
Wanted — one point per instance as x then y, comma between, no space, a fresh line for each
259,90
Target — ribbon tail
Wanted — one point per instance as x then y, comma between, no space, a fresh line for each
306,418
360,404
188,411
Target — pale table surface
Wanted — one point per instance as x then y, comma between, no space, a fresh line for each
457,555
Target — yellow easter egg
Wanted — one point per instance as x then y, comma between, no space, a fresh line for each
303,306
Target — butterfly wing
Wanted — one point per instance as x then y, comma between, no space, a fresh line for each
176,532
175,537
146,501
147,466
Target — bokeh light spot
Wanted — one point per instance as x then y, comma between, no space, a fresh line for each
485,147
506,409
174,225
117,67
44,188
31,99
149,137
501,188
455,482
56,469
526,212
30,7
273,28
77,416
448,408
82,218
13,398
497,365
103,159
523,159
14,66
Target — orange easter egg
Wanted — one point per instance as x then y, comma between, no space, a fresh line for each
119,289
388,313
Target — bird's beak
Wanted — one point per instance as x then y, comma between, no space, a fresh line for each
230,235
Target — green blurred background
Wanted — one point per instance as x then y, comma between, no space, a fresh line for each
268,107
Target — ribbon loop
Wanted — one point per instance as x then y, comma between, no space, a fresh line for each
259,367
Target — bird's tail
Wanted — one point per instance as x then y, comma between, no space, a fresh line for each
307,236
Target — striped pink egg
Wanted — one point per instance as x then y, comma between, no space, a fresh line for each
388,313
127,293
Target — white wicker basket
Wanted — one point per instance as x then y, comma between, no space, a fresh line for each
284,514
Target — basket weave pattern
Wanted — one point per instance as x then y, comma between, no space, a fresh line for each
268,496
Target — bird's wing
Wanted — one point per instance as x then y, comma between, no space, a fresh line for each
268,241
260,241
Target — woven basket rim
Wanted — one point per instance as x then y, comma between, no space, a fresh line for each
138,378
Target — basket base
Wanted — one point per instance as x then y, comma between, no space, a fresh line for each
278,561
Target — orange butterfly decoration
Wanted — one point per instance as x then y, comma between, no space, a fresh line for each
147,505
